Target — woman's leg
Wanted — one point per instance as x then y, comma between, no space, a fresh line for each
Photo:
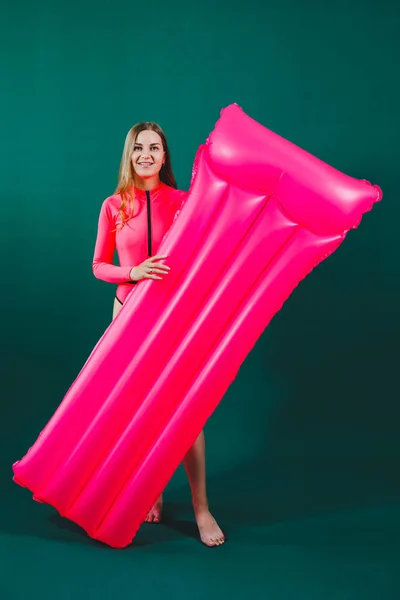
154,515
116,308
195,467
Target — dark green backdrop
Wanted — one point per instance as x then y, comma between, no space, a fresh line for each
310,426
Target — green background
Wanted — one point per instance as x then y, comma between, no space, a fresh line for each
303,452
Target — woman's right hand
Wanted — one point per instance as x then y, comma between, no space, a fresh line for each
142,271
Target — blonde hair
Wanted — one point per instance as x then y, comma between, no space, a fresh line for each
126,171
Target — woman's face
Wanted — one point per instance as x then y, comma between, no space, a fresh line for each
148,154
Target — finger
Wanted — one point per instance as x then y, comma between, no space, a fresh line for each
152,265
161,271
157,267
158,256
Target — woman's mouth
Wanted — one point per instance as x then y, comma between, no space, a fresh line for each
146,164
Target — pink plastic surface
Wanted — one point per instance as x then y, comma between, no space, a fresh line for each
260,214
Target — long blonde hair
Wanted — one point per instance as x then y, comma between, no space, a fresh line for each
126,171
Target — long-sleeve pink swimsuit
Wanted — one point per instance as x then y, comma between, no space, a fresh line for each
138,239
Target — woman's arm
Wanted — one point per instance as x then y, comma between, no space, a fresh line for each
103,267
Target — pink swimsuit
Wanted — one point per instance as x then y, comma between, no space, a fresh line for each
138,239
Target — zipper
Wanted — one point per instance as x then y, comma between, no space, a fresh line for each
149,248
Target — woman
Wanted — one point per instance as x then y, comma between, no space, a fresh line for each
134,221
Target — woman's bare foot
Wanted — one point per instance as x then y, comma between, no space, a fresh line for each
210,532
155,513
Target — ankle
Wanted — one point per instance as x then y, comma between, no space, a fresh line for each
159,500
200,505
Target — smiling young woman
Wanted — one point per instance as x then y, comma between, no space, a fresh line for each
133,221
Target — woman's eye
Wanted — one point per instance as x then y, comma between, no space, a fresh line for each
152,148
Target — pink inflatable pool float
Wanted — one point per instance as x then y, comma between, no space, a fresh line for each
260,214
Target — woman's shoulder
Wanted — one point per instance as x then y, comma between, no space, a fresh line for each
173,191
175,194
112,203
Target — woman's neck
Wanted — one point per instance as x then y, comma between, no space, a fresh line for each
147,184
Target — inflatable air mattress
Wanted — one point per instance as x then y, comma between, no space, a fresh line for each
260,214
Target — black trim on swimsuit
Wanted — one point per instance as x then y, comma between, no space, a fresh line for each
149,240
119,300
